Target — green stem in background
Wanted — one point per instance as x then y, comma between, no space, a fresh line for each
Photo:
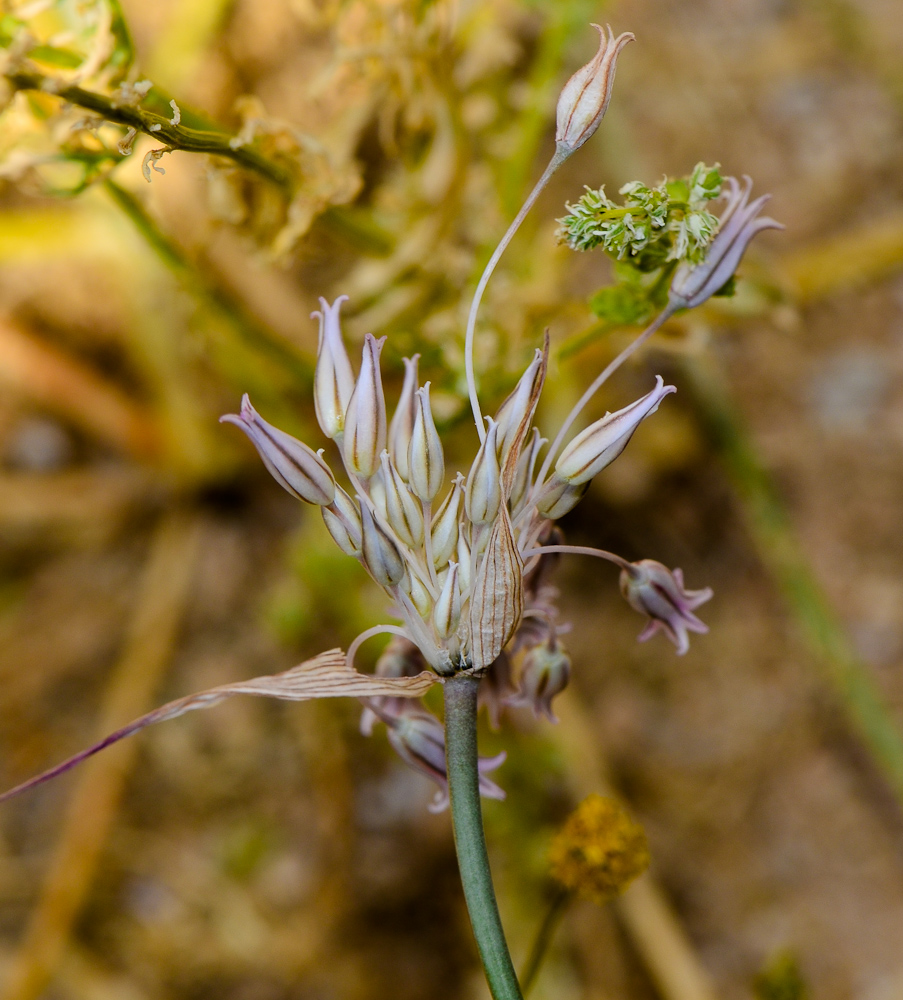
544,935
175,136
470,841
219,299
782,554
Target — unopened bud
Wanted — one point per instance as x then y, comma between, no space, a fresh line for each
293,465
483,493
402,509
545,672
445,525
516,413
653,590
558,497
447,613
465,574
343,521
426,462
365,418
585,96
379,553
523,474
601,443
420,597
402,426
333,379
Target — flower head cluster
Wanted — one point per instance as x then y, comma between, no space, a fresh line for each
460,556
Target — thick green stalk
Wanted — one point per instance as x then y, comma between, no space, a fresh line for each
470,842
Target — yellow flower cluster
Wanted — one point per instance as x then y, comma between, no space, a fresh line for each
599,851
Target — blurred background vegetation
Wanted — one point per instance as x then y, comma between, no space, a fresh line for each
380,148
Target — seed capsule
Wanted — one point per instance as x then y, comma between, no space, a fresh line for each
293,465
333,378
365,419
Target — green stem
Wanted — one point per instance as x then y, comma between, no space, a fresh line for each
175,136
470,842
544,937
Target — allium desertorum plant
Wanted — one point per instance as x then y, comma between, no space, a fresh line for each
464,560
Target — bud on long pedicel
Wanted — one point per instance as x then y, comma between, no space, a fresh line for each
426,461
402,426
365,418
584,99
293,465
601,443
333,379
379,553
483,492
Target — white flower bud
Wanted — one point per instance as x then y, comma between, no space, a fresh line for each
365,418
601,443
585,96
445,525
403,511
379,553
447,613
402,426
483,493
558,497
426,462
293,465
515,414
333,379
343,522
415,588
